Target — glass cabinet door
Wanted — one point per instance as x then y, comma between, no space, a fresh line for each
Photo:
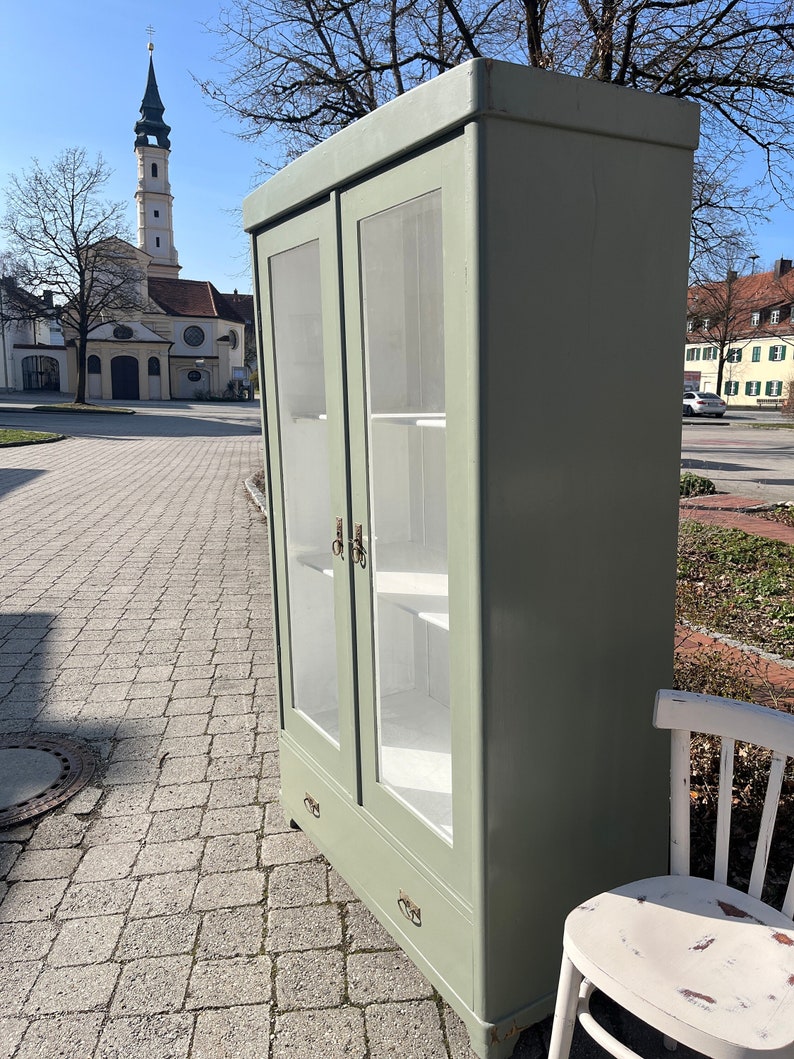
305,415
398,270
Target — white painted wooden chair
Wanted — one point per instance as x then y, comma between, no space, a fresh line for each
707,965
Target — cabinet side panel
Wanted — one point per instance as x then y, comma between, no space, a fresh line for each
584,284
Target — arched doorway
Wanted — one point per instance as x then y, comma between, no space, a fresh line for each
154,379
124,379
94,366
40,373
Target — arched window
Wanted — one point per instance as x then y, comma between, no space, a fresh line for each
154,365
154,169
94,365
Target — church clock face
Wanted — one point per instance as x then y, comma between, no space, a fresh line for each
233,340
193,336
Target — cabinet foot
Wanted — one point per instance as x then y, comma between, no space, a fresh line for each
295,825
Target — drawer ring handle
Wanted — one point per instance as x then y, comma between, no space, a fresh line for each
312,805
409,908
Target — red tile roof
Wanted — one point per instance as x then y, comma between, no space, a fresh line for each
757,293
191,297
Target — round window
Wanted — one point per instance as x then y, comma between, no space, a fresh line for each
194,376
122,331
193,336
233,340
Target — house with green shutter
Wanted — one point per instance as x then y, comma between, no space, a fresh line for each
740,337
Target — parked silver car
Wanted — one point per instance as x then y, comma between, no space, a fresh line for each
700,403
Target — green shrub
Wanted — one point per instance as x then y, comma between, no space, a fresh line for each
694,485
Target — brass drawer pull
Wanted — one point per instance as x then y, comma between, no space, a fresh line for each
411,910
312,805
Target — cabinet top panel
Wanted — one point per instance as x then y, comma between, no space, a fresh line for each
478,89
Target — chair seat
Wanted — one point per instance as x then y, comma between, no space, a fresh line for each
704,963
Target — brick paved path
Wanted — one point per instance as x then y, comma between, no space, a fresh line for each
167,911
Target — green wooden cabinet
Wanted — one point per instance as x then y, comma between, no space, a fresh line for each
470,306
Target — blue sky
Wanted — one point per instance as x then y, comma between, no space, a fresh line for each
74,74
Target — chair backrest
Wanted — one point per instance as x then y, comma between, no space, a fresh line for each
731,721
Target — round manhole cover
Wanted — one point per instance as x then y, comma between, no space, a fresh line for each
39,772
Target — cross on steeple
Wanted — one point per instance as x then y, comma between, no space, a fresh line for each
151,31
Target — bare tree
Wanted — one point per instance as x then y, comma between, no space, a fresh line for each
295,71
67,239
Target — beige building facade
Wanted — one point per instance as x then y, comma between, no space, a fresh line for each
746,325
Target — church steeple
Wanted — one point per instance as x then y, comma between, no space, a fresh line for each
152,110
153,196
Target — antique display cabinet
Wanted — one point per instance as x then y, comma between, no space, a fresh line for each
470,309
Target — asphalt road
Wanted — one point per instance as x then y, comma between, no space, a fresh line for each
740,456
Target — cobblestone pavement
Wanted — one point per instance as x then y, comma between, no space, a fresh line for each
167,910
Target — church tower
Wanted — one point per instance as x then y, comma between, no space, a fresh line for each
153,195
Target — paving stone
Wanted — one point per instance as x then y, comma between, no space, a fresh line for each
276,822
363,931
397,1030
104,898
232,821
158,936
131,771
311,979
57,832
140,748
115,829
458,1037
113,861
45,864
128,800
11,1030
304,883
26,901
233,1033
164,895
229,768
229,889
222,983
67,989
150,985
89,940
225,724
304,927
187,724
9,851
157,858
236,744
146,1037
85,801
330,1033
16,982
183,770
180,796
231,932
67,1037
186,746
232,793
174,825
287,849
230,853
26,941
384,976
339,888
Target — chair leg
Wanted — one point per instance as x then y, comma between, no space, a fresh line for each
565,1010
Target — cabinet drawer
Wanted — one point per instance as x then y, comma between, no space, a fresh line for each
429,925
